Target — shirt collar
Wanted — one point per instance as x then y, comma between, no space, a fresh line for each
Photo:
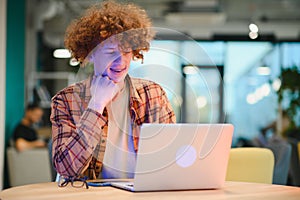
134,95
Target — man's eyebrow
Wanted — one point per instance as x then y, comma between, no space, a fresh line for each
111,47
110,50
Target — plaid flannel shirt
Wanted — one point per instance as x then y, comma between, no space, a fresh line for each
79,133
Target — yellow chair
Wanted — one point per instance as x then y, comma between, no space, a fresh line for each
250,164
299,150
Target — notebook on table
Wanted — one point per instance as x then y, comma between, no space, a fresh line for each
181,157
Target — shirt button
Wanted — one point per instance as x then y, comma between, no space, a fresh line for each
103,140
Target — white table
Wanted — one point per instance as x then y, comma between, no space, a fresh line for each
231,190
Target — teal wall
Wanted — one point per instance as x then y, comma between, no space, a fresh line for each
15,68
15,64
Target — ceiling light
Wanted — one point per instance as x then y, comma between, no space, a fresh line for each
263,71
251,99
253,35
276,84
253,28
73,62
201,102
190,69
266,89
61,53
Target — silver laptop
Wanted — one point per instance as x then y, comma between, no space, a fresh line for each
181,157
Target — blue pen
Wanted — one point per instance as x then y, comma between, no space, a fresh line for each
98,184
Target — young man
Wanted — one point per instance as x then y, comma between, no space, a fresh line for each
95,123
25,137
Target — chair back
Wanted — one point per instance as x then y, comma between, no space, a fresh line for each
30,166
282,152
294,171
250,165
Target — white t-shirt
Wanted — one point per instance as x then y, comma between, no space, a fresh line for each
119,157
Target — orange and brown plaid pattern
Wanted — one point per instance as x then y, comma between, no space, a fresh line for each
79,133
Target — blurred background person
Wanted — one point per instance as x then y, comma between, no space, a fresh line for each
25,136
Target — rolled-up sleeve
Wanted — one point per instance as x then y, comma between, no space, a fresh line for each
75,134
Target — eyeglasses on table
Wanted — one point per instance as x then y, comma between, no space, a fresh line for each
76,182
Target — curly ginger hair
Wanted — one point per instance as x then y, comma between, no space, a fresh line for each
128,22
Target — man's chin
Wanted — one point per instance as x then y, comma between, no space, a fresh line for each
118,79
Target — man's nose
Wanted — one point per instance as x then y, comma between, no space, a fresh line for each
119,57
